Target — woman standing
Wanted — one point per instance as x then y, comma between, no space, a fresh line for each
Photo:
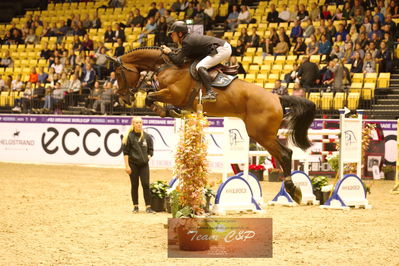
137,150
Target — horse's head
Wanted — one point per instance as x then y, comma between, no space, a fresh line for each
127,77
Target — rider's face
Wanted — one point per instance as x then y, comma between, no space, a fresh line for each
175,37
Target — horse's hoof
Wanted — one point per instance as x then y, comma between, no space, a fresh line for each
294,191
174,114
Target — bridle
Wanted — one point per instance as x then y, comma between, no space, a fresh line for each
166,64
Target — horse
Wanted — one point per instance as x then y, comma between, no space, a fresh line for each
261,111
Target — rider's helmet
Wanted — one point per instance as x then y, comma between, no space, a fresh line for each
178,26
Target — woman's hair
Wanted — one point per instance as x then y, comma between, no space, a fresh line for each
131,129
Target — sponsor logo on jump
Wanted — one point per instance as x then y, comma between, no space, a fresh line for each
16,140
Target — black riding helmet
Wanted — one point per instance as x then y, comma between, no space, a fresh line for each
178,26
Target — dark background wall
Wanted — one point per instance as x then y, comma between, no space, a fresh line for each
12,8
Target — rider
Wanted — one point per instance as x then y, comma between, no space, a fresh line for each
210,50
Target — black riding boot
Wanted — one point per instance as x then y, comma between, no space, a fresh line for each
210,95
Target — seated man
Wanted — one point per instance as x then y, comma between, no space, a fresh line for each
210,50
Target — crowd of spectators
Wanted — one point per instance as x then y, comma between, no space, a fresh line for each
365,37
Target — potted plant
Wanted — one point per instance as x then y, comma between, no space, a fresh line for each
257,170
192,169
318,183
158,193
275,174
389,172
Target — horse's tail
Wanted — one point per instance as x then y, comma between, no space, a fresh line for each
301,115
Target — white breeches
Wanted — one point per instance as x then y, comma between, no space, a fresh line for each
223,54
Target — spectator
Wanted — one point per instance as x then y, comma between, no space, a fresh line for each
274,39
31,38
244,16
51,77
359,49
327,76
112,79
73,88
298,90
239,49
284,15
7,83
87,44
309,30
120,49
26,96
64,81
300,47
190,11
293,75
375,30
281,47
294,13
183,6
281,32
96,22
161,37
61,31
314,12
308,73
101,63
272,16
42,76
56,97
324,46
161,9
336,53
234,62
116,3
244,37
279,89
17,84
313,46
33,76
109,35
253,40
362,40
210,13
267,47
369,64
2,83
325,13
149,29
88,76
119,33
175,6
153,10
341,31
339,15
303,14
331,30
296,31
6,61
357,64
232,19
105,99
58,67
384,58
87,23
336,66
79,30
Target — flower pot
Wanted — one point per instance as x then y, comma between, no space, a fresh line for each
168,206
258,174
275,176
157,204
190,241
389,175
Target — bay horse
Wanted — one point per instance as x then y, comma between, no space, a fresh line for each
261,111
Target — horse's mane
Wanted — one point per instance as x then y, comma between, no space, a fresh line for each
144,48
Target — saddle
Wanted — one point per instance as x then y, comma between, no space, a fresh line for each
220,74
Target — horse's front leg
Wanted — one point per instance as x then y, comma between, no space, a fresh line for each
163,96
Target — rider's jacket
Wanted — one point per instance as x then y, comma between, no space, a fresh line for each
196,46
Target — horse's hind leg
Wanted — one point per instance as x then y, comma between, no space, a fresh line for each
284,156
280,152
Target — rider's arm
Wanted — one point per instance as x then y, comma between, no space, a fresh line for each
177,57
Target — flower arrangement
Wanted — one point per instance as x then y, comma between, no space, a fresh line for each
319,182
191,166
257,167
159,189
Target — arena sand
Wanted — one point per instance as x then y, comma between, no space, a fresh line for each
70,215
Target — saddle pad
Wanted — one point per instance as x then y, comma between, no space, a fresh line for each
222,80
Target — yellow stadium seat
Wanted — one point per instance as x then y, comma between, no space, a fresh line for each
356,87
247,59
370,77
250,77
273,77
358,77
315,97
339,100
327,100
277,69
258,60
288,68
315,59
353,100
241,76
383,80
368,90
254,69
280,59
261,77
291,59
265,69
250,51
269,59
3,98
